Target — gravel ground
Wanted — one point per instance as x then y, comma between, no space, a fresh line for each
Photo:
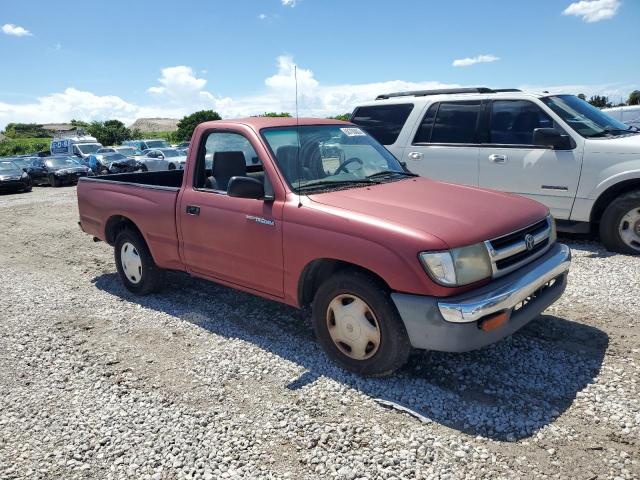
201,381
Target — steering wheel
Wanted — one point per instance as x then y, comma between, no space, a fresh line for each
347,162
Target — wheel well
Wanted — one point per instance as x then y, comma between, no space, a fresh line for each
609,194
316,272
115,225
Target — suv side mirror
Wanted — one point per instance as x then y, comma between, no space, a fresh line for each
245,187
552,138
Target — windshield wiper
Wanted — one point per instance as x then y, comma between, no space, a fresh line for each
388,173
337,183
614,131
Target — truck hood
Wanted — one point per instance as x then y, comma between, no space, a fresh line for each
458,215
629,144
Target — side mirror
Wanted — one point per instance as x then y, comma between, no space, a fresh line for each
245,187
552,138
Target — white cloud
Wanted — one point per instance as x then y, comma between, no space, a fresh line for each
262,16
180,92
593,10
289,3
15,30
179,84
466,62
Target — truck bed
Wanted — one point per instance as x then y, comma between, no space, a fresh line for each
147,199
169,178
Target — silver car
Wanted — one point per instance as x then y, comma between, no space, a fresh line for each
164,159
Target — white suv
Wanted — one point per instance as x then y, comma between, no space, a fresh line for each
557,149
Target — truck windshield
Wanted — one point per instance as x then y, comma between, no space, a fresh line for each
87,148
330,156
584,118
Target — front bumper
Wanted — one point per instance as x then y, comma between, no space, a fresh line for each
452,324
7,185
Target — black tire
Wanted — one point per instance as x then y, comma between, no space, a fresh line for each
394,347
613,217
54,182
29,186
172,166
144,168
151,275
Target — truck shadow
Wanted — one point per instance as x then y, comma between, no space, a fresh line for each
507,391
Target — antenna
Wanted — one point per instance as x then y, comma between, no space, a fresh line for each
298,166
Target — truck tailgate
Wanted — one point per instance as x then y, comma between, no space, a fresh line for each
150,207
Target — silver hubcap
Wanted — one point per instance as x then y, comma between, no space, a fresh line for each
353,327
131,262
629,228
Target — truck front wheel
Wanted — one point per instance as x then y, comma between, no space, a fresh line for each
138,272
358,326
620,224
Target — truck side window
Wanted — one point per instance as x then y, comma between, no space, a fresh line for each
383,122
228,155
513,122
426,126
456,122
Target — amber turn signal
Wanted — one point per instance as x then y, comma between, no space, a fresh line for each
495,321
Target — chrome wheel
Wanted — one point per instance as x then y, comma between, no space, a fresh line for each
131,262
629,228
353,327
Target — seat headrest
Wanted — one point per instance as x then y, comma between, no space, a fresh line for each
229,164
287,156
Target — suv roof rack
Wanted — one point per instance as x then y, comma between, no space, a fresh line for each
444,91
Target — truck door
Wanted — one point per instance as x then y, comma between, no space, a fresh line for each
511,163
237,240
444,144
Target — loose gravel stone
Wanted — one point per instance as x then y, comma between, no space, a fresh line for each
204,382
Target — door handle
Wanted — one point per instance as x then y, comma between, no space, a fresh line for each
193,210
415,155
498,158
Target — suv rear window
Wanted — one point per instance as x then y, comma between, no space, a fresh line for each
454,122
382,122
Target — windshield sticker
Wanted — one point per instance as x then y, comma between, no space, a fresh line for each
353,132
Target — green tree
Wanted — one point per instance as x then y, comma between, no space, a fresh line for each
600,101
25,130
79,124
188,124
275,114
111,132
582,96
345,117
634,98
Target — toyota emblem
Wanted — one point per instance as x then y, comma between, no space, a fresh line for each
529,241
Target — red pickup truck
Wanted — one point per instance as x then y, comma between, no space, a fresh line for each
317,213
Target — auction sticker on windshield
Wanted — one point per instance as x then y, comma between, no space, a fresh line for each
353,132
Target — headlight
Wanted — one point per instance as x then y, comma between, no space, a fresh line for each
459,266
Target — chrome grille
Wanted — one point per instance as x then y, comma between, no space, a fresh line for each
511,252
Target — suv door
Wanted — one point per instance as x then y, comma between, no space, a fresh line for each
444,144
237,240
510,162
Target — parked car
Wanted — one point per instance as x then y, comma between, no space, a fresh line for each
629,115
13,178
124,150
57,171
23,162
106,163
174,158
557,149
147,144
387,260
80,146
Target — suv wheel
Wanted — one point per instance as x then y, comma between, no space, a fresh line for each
135,265
358,326
620,224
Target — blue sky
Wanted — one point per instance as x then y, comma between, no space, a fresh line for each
126,59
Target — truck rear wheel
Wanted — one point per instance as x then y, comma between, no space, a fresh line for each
358,326
620,224
138,272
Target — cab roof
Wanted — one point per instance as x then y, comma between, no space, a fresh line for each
258,123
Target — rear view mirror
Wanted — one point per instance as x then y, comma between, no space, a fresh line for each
552,138
245,187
